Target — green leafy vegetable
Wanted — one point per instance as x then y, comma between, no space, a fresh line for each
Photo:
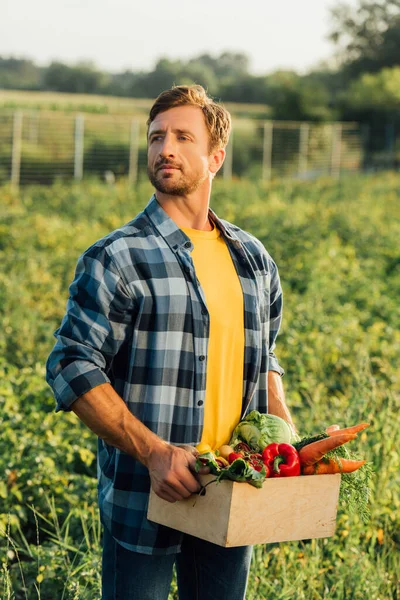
305,440
239,470
355,488
355,492
259,430
207,459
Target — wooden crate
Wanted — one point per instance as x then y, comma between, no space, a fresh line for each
238,514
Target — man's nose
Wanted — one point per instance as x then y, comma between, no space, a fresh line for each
168,147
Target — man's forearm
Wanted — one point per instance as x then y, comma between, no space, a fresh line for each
171,468
107,415
276,398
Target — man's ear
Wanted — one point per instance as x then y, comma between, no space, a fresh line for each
216,161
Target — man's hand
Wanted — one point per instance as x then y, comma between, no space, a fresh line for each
195,452
172,472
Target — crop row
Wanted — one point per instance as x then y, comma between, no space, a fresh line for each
336,246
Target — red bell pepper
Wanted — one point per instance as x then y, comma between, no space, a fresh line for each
282,460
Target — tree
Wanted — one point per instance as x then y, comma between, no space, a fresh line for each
368,37
226,66
296,98
374,98
244,89
164,75
19,73
82,78
196,71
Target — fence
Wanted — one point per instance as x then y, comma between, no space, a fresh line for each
41,147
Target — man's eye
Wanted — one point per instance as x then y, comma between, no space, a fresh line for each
183,137
156,138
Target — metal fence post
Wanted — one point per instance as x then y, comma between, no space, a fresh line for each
133,152
336,149
267,150
227,168
79,146
16,148
303,148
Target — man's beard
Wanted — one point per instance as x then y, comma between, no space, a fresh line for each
182,187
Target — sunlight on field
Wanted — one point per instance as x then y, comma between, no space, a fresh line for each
337,247
92,103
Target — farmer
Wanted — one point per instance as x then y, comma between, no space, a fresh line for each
167,341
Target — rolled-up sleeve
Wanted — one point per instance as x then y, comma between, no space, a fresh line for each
275,318
96,323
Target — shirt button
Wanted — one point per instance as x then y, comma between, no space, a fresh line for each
202,357
187,244
204,312
200,402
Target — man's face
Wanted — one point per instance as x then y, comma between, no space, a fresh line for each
179,159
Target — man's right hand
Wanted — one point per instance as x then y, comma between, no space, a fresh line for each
171,468
172,472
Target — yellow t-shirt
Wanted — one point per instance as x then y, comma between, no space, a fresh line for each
225,362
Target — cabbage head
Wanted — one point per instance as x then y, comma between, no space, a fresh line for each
259,430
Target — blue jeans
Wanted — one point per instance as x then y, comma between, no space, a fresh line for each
204,571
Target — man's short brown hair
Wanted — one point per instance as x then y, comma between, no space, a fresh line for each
217,118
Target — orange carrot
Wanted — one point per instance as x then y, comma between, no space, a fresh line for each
354,429
313,452
332,428
334,465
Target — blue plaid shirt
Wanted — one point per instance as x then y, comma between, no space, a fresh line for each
137,318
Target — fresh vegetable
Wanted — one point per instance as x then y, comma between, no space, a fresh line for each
208,459
240,470
234,456
225,451
222,462
312,453
202,448
242,447
256,461
354,429
356,474
318,454
259,430
282,460
332,428
309,439
333,465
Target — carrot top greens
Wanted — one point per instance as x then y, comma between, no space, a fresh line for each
355,488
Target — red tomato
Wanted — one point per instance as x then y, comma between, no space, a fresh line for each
233,456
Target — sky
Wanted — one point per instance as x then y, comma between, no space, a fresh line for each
127,34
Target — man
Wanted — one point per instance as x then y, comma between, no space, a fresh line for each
167,341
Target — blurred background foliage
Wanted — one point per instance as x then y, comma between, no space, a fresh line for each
336,245
360,83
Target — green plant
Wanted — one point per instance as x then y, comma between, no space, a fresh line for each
336,245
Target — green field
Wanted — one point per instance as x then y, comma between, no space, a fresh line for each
112,105
48,143
337,247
